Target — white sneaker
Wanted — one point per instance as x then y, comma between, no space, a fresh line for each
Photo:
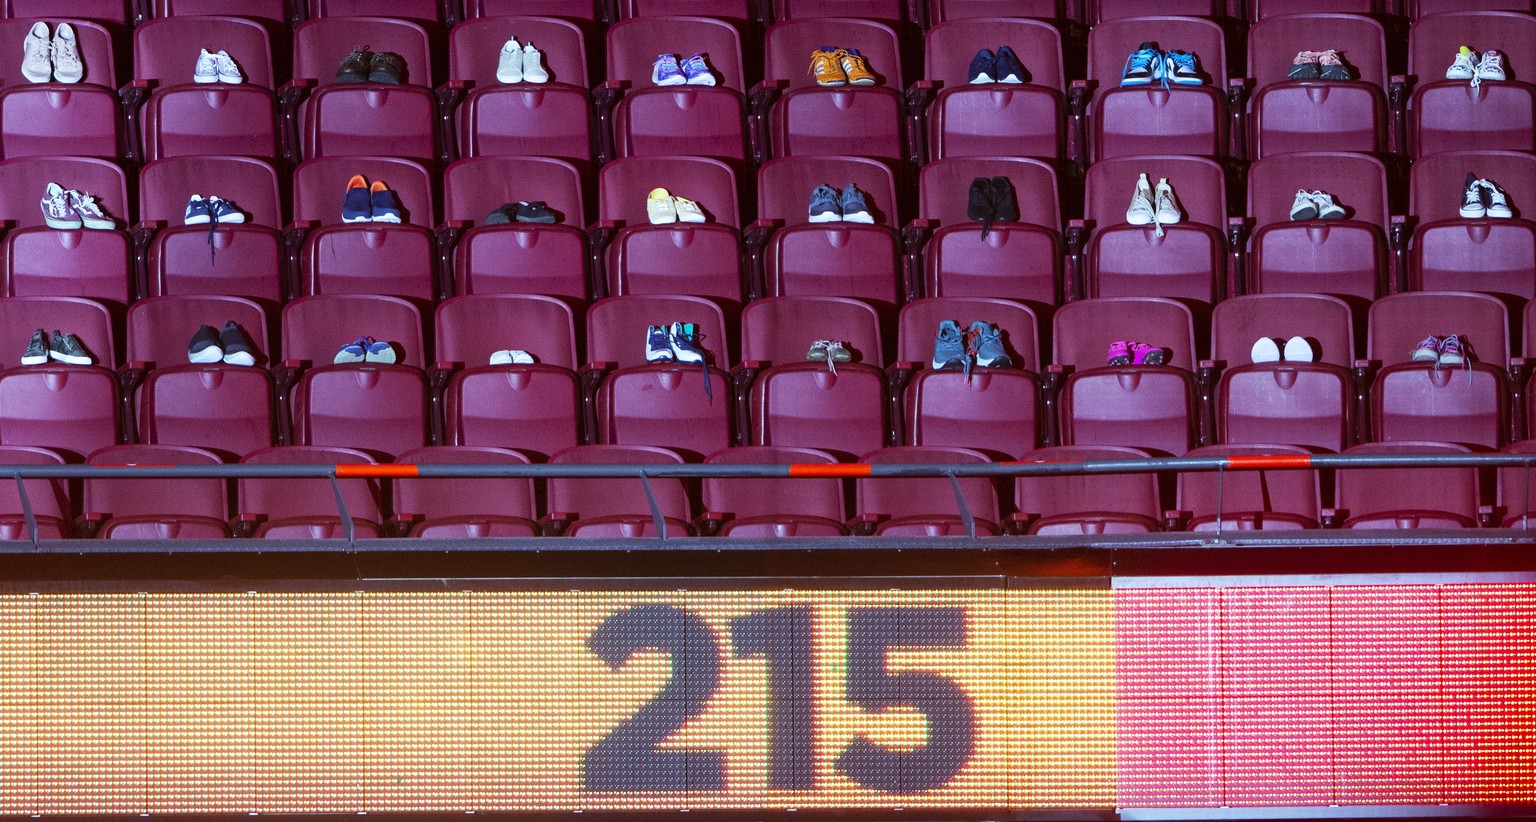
1327,209
37,55
509,64
229,72
1167,206
513,356
1265,350
1303,207
1498,202
533,65
1491,67
660,207
1464,67
67,67
688,211
207,69
1140,212
1298,349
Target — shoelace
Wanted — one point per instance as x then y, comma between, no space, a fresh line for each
972,345
64,50
1466,357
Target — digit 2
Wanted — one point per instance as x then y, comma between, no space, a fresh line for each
626,759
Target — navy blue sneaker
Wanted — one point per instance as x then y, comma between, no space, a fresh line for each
386,209
197,211
824,207
851,201
357,206
1009,68
355,351
983,68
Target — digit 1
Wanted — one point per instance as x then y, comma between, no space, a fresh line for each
782,636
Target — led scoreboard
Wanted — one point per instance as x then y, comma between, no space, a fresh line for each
981,693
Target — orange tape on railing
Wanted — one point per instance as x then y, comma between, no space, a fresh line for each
807,469
1257,461
375,471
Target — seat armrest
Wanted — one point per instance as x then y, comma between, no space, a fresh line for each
556,523
864,525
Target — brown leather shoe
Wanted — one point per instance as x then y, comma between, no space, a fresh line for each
354,67
384,67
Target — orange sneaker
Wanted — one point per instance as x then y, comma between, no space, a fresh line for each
827,67
856,67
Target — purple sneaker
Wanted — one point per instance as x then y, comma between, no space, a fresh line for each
58,212
1148,355
1451,351
1119,353
1428,350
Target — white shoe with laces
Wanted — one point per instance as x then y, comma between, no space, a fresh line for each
207,69
1491,67
512,356
37,54
1140,212
1167,207
229,72
1303,207
67,67
1327,209
1464,67
1498,202
509,64
533,65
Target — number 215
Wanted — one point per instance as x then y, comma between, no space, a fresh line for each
626,759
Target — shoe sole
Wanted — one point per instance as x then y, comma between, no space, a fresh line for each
34,360
1303,75
668,83
1304,214
827,217
1012,80
1152,358
1494,77
203,81
1428,356
858,217
387,218
1135,81
509,81
1125,360
667,220
537,81
1458,76
363,219
1139,219
982,79
348,359
661,358
1503,214
700,81
33,77
240,358
869,81
1337,214
995,362
1452,360
948,365
210,354
204,220
1472,215
231,81
67,80
831,83
1186,81
62,225
70,360
1169,219
239,219
99,225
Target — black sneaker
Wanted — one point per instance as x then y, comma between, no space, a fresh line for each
67,348
204,347
237,347
983,68
978,203
501,215
533,211
354,67
1005,208
384,67
1009,68
37,349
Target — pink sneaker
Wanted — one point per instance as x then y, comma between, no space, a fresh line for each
1119,353
1148,355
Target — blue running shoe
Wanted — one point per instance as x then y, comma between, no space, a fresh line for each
1181,68
357,206
696,69
851,201
1143,67
824,207
949,347
380,351
666,72
355,351
983,68
386,208
1009,68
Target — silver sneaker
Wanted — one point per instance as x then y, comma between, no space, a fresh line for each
229,72
37,54
207,69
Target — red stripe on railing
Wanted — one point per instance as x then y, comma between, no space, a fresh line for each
805,469
375,471
1258,461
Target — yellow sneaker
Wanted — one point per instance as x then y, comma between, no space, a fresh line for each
855,67
827,67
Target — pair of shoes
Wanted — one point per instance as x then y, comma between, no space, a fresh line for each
661,208
1002,67
364,203
228,345
829,351
1318,65
365,349
1148,64
833,66
1484,198
217,67
981,345
58,59
694,71
991,200
1295,349
828,205
1149,206
1126,352
678,342
364,66
520,63
1468,66
522,211
1315,205
68,209
1451,349
215,209
511,356
65,348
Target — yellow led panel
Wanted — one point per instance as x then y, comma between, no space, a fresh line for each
18,705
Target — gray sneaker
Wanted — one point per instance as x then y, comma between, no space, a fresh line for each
824,207
37,349
949,346
985,344
67,348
